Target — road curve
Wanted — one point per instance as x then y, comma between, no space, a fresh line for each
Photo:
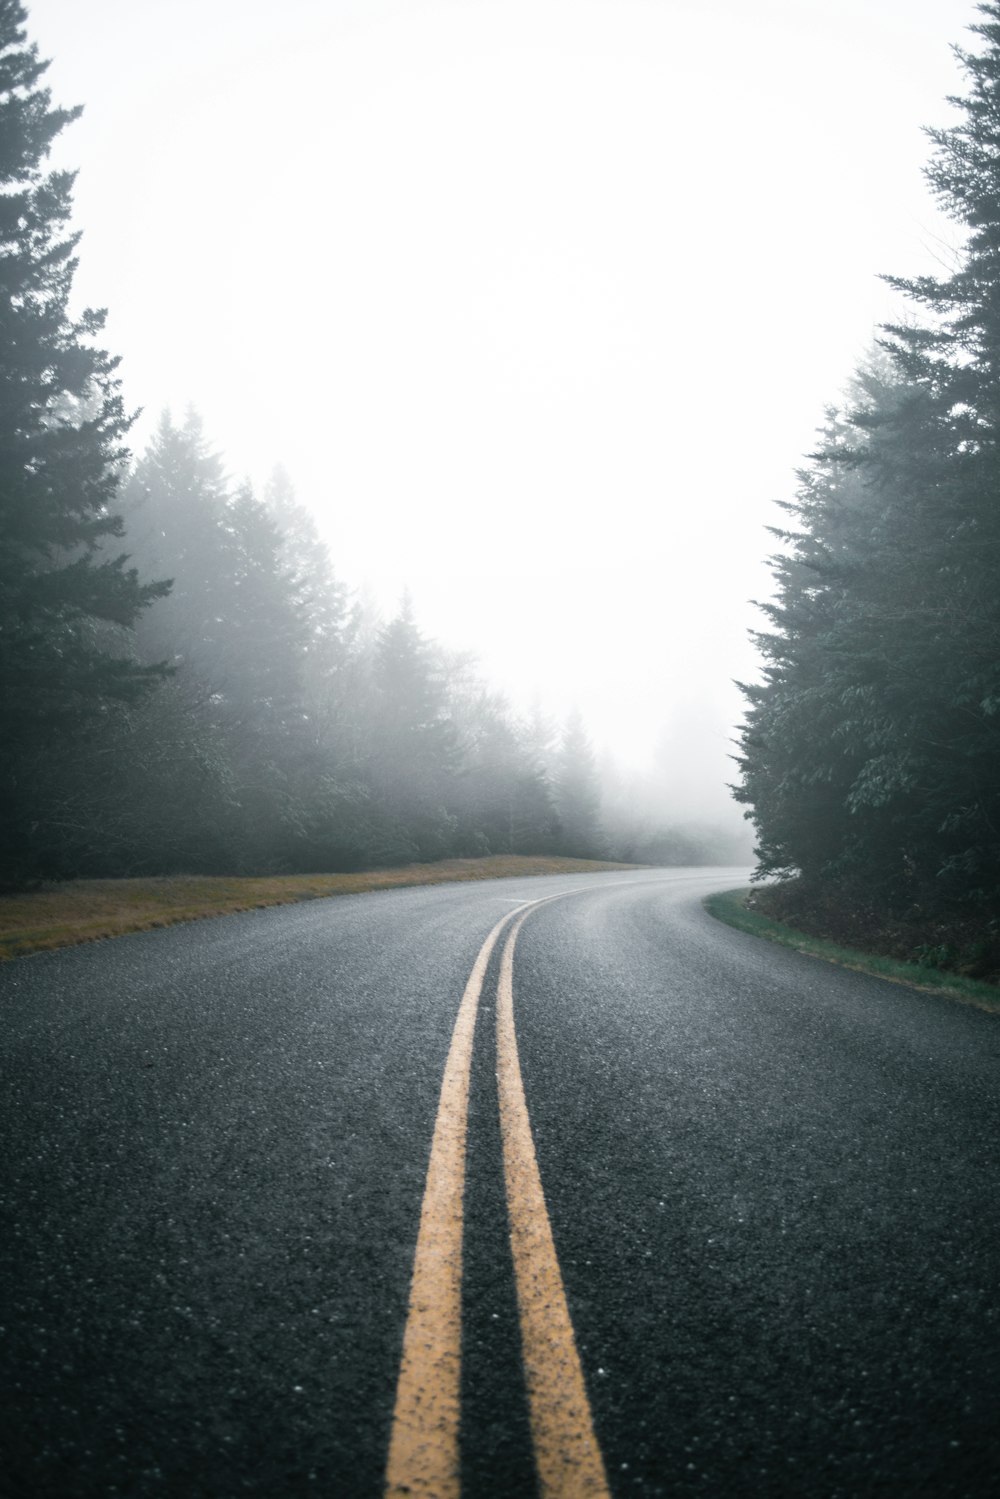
768,1185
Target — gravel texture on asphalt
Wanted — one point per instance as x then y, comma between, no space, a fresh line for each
772,1186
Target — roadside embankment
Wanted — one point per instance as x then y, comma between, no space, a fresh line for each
89,910
745,910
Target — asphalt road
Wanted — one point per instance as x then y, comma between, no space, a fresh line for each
772,1187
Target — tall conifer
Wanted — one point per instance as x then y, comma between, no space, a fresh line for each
872,749
63,600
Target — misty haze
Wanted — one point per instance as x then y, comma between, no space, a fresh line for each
500,747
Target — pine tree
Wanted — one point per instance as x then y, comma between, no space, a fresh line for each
320,598
872,748
412,753
246,641
175,505
64,604
955,358
811,728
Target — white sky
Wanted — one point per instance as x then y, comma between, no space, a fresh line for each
538,301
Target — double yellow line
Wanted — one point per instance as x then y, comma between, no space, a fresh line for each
424,1456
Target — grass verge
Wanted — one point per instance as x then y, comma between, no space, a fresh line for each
88,910
730,906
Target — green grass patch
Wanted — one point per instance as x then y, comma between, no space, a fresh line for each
89,910
731,907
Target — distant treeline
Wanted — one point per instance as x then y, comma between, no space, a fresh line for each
871,751
185,683
296,730
256,719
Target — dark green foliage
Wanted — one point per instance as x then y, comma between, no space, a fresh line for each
871,752
288,731
65,657
296,733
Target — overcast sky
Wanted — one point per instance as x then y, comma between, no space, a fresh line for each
538,301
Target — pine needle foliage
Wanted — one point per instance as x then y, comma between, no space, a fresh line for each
65,605
871,748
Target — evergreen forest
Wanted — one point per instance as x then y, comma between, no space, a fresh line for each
187,684
870,754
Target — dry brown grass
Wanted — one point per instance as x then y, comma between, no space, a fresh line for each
88,910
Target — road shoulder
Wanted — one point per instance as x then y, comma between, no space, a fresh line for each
729,906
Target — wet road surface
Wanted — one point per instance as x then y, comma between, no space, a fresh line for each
771,1186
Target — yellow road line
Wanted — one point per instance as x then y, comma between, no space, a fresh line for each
567,1456
424,1457
423,1448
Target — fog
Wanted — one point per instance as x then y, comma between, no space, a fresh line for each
538,304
